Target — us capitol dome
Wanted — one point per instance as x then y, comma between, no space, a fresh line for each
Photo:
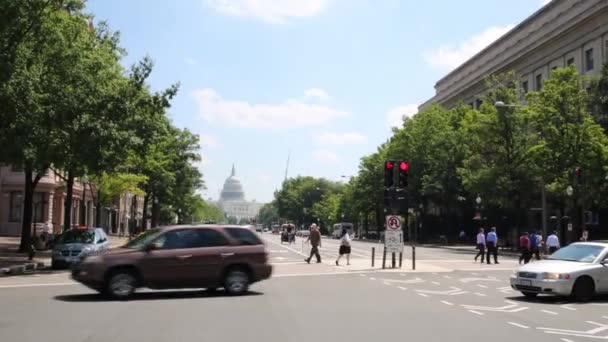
232,199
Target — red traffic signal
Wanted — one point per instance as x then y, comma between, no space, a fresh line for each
403,166
389,165
389,172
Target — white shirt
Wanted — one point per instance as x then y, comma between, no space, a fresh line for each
345,240
552,241
481,239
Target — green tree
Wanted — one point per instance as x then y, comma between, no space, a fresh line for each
568,138
268,214
297,196
327,210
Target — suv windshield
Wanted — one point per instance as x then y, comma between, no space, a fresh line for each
580,253
77,236
143,239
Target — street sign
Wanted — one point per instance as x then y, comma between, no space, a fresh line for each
393,222
393,241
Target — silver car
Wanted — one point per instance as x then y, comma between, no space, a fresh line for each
579,270
75,244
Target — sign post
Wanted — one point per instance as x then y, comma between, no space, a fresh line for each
393,236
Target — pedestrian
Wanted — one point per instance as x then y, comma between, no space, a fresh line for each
462,236
524,246
534,245
584,235
315,242
481,245
492,246
344,247
553,242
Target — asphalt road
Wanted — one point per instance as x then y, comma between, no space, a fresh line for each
456,305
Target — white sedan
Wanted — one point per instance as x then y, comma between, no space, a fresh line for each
579,270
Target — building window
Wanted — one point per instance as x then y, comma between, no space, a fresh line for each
38,207
16,206
589,60
478,103
524,86
570,61
539,82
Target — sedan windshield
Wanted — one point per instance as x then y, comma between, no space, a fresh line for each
580,253
77,236
143,239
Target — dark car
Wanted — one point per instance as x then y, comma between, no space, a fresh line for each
206,256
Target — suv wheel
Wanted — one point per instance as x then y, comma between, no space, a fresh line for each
121,285
236,282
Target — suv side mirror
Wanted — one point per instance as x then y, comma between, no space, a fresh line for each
153,246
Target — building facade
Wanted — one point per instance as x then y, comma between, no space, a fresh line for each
49,204
562,33
232,200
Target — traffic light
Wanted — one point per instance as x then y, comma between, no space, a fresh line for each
389,171
403,169
578,172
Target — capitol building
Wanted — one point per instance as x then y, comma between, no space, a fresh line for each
232,199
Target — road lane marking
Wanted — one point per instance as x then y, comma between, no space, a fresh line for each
566,340
447,277
475,274
549,312
402,288
372,278
482,286
385,283
363,275
480,294
35,285
565,306
287,247
605,317
510,302
423,295
435,283
446,302
476,312
519,325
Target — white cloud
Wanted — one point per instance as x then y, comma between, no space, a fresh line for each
291,113
209,141
270,11
316,93
344,138
190,61
451,56
395,116
325,156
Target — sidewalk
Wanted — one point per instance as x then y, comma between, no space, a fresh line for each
470,249
12,262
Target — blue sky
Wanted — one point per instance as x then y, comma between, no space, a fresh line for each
324,79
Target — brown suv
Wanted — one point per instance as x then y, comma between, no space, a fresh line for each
207,256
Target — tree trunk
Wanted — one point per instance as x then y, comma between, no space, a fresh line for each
155,212
67,210
83,206
144,215
26,224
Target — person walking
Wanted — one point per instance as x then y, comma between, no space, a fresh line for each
315,242
481,245
492,246
534,245
524,246
344,247
553,242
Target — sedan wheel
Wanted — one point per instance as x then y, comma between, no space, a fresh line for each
121,285
236,282
583,290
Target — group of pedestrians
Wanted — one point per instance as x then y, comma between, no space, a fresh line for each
531,245
315,242
487,244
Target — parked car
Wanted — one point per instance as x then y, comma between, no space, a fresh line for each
206,256
579,270
75,244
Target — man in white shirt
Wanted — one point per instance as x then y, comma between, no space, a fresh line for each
481,245
553,242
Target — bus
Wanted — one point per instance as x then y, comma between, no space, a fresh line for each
338,230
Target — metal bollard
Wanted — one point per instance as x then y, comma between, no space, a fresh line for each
373,255
393,260
384,259
400,259
413,257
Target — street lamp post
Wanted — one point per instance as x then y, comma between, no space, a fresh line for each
478,201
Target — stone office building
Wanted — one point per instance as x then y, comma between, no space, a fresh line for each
562,33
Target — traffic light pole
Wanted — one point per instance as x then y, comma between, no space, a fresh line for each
395,201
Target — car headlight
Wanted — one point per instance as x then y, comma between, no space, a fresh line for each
555,276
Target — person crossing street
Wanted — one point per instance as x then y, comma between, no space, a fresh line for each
315,242
492,246
553,242
481,245
524,246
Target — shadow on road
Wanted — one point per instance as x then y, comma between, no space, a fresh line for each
555,300
160,295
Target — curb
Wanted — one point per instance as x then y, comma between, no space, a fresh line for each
471,250
21,269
